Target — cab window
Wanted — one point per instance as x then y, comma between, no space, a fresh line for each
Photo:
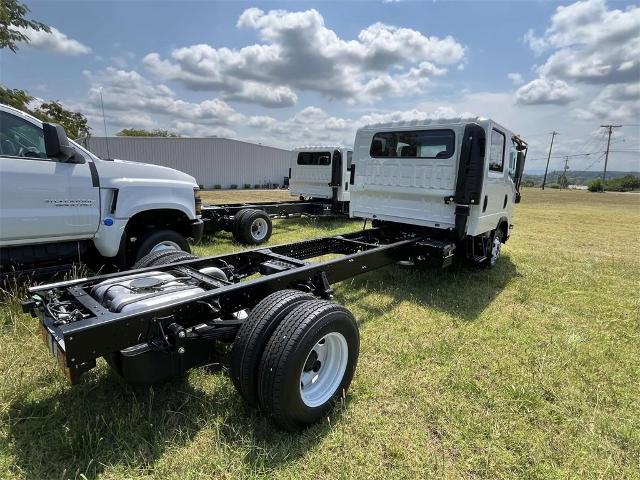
20,138
314,158
496,153
349,160
413,144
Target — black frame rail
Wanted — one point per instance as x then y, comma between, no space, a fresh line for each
252,275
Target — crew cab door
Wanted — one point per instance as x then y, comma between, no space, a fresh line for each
405,175
41,199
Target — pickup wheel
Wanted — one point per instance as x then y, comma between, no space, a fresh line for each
161,240
252,228
308,364
253,335
162,257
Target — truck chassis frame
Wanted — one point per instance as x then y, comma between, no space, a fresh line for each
178,335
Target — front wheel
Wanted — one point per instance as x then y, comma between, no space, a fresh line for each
496,248
161,240
308,364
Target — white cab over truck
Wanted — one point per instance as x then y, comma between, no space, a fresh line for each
460,176
59,203
321,172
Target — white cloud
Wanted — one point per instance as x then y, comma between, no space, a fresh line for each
127,94
592,43
615,103
298,52
545,91
54,41
537,44
515,78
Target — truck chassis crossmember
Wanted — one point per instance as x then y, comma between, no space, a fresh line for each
81,329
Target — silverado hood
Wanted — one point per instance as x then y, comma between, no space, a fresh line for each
117,173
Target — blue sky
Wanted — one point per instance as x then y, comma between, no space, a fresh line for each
290,73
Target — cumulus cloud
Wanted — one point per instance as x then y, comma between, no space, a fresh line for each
615,103
593,47
127,94
592,44
54,41
298,52
545,91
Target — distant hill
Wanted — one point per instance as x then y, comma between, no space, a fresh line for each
576,177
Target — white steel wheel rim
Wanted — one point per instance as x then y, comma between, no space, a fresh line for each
323,370
495,250
165,245
259,228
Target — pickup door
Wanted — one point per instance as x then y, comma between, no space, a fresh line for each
405,175
41,199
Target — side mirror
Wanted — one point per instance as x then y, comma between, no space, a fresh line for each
518,174
57,144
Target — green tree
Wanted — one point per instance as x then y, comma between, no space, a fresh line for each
74,123
595,185
12,15
140,132
15,98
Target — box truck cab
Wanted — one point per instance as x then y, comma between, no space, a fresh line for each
59,203
321,172
460,176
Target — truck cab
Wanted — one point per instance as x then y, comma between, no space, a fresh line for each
460,176
321,172
59,203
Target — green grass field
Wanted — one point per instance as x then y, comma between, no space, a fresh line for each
530,370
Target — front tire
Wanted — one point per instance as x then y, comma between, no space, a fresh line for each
161,240
496,248
308,364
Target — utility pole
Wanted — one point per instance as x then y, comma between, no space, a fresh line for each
606,157
565,180
544,180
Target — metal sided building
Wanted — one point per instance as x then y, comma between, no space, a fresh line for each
211,160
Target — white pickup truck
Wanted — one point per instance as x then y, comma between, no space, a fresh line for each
60,204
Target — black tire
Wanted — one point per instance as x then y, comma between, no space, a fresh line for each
494,253
149,241
253,336
163,257
237,219
250,232
289,351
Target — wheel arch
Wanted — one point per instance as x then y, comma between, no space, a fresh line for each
503,225
160,218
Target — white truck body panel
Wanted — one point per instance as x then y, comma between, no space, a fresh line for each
312,172
400,186
44,200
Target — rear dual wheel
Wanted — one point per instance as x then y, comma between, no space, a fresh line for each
295,357
252,227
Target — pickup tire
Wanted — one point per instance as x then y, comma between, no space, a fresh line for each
496,246
308,364
161,240
252,227
253,335
162,257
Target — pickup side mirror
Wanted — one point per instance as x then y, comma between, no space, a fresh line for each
57,144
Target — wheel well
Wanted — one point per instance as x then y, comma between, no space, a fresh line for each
168,219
